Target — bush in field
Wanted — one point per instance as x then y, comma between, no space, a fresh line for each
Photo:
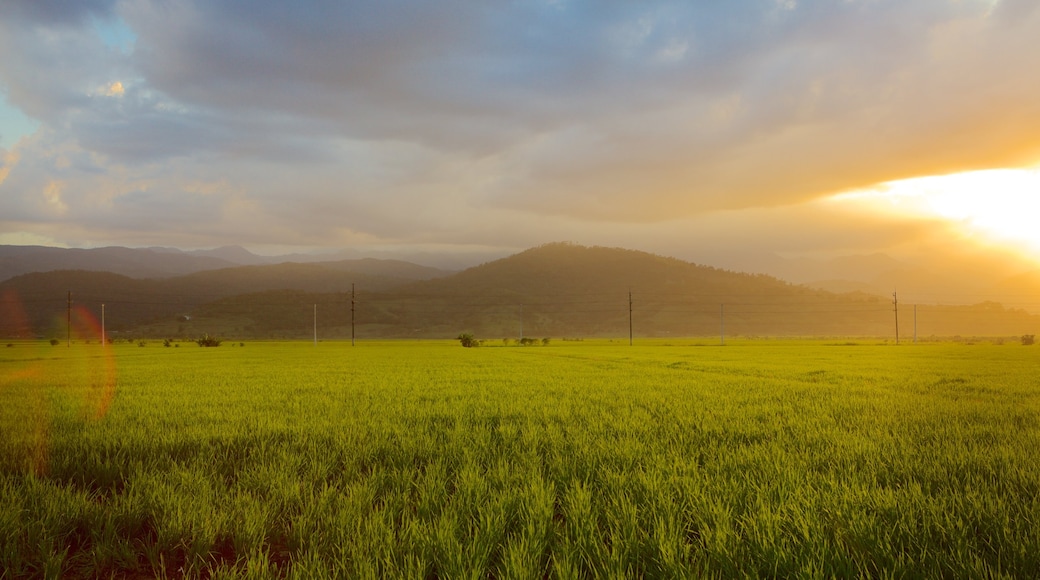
545,341
54,342
1028,339
208,340
467,340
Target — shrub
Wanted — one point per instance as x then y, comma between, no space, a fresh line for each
1028,339
208,340
54,342
467,340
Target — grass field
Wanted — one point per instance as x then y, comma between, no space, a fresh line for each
572,460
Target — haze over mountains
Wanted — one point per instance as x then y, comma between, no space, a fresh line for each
156,262
552,290
971,280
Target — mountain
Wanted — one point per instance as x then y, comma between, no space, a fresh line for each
132,262
163,262
555,290
565,289
314,277
389,268
974,277
36,303
572,290
233,255
1020,291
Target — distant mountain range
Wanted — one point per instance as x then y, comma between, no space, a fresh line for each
161,262
132,262
968,280
555,290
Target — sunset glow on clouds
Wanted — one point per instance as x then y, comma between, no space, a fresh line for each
997,205
706,131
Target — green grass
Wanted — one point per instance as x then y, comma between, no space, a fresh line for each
577,459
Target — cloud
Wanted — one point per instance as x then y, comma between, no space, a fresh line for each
114,89
54,12
7,160
326,123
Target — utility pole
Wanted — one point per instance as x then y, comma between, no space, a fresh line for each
915,324
722,324
68,322
895,308
351,314
629,318
521,323
103,325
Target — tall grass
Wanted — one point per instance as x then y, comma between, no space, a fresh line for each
571,460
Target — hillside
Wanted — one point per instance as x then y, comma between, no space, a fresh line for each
571,290
35,304
556,290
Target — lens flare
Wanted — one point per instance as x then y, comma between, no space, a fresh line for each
13,321
101,371
44,387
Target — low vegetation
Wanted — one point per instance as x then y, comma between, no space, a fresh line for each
580,459
209,341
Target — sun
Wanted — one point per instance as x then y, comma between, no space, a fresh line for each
1000,206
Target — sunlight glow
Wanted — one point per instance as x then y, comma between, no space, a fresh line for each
115,90
1000,206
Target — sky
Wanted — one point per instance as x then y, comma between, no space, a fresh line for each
729,133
